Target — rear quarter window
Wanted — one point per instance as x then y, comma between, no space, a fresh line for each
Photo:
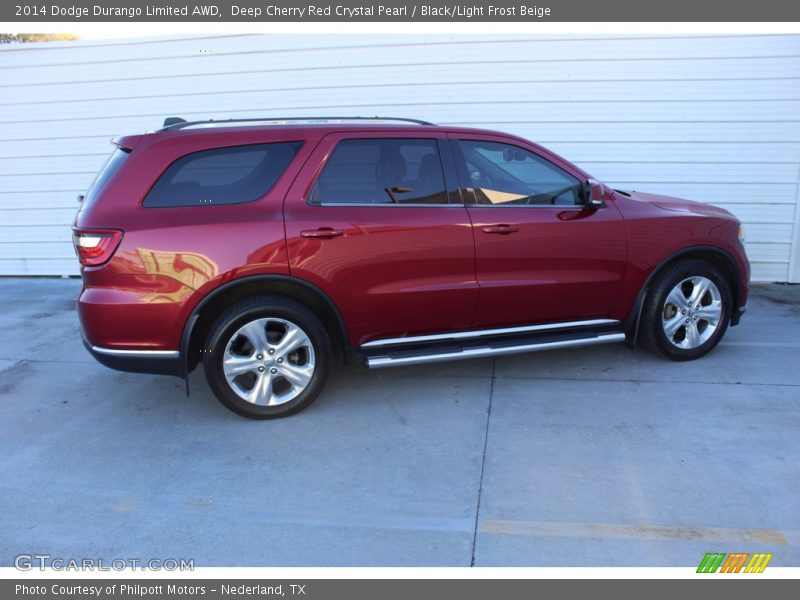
223,175
113,164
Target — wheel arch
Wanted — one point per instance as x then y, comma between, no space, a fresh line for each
711,254
206,311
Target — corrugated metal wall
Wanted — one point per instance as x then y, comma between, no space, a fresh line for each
713,118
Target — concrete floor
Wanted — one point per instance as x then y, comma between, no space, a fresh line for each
596,456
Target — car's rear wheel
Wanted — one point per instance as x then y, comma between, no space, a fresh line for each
267,357
687,310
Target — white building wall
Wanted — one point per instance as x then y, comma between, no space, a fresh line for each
712,118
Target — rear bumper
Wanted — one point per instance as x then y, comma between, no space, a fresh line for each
117,316
157,362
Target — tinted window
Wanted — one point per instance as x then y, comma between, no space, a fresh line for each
112,165
502,174
223,175
382,171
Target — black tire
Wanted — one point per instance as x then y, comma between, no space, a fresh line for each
652,332
244,312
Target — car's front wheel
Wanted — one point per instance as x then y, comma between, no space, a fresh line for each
687,310
267,357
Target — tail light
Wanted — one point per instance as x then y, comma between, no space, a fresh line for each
95,246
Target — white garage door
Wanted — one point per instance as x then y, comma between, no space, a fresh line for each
712,118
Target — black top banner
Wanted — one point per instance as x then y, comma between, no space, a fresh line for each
255,11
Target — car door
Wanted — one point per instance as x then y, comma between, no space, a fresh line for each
542,255
376,220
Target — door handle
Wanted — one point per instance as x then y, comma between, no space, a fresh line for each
501,228
322,232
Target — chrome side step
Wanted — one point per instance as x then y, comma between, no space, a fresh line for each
431,355
483,333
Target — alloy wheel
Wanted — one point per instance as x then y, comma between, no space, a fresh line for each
269,361
692,312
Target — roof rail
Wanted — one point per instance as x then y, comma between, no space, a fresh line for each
170,121
175,123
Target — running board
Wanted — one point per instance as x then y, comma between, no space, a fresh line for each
399,357
485,333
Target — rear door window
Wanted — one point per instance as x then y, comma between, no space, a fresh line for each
223,175
379,171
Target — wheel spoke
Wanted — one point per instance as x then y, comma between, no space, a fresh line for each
711,313
672,325
238,365
700,286
297,375
261,393
677,299
256,333
293,339
693,338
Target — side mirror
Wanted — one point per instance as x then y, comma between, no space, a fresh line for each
596,193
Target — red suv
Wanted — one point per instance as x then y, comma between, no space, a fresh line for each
272,249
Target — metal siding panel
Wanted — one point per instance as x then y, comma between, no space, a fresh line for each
39,200
74,163
742,133
36,250
712,118
103,99
51,266
573,46
41,216
769,232
47,183
692,172
436,64
767,252
770,271
35,233
681,152
36,120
